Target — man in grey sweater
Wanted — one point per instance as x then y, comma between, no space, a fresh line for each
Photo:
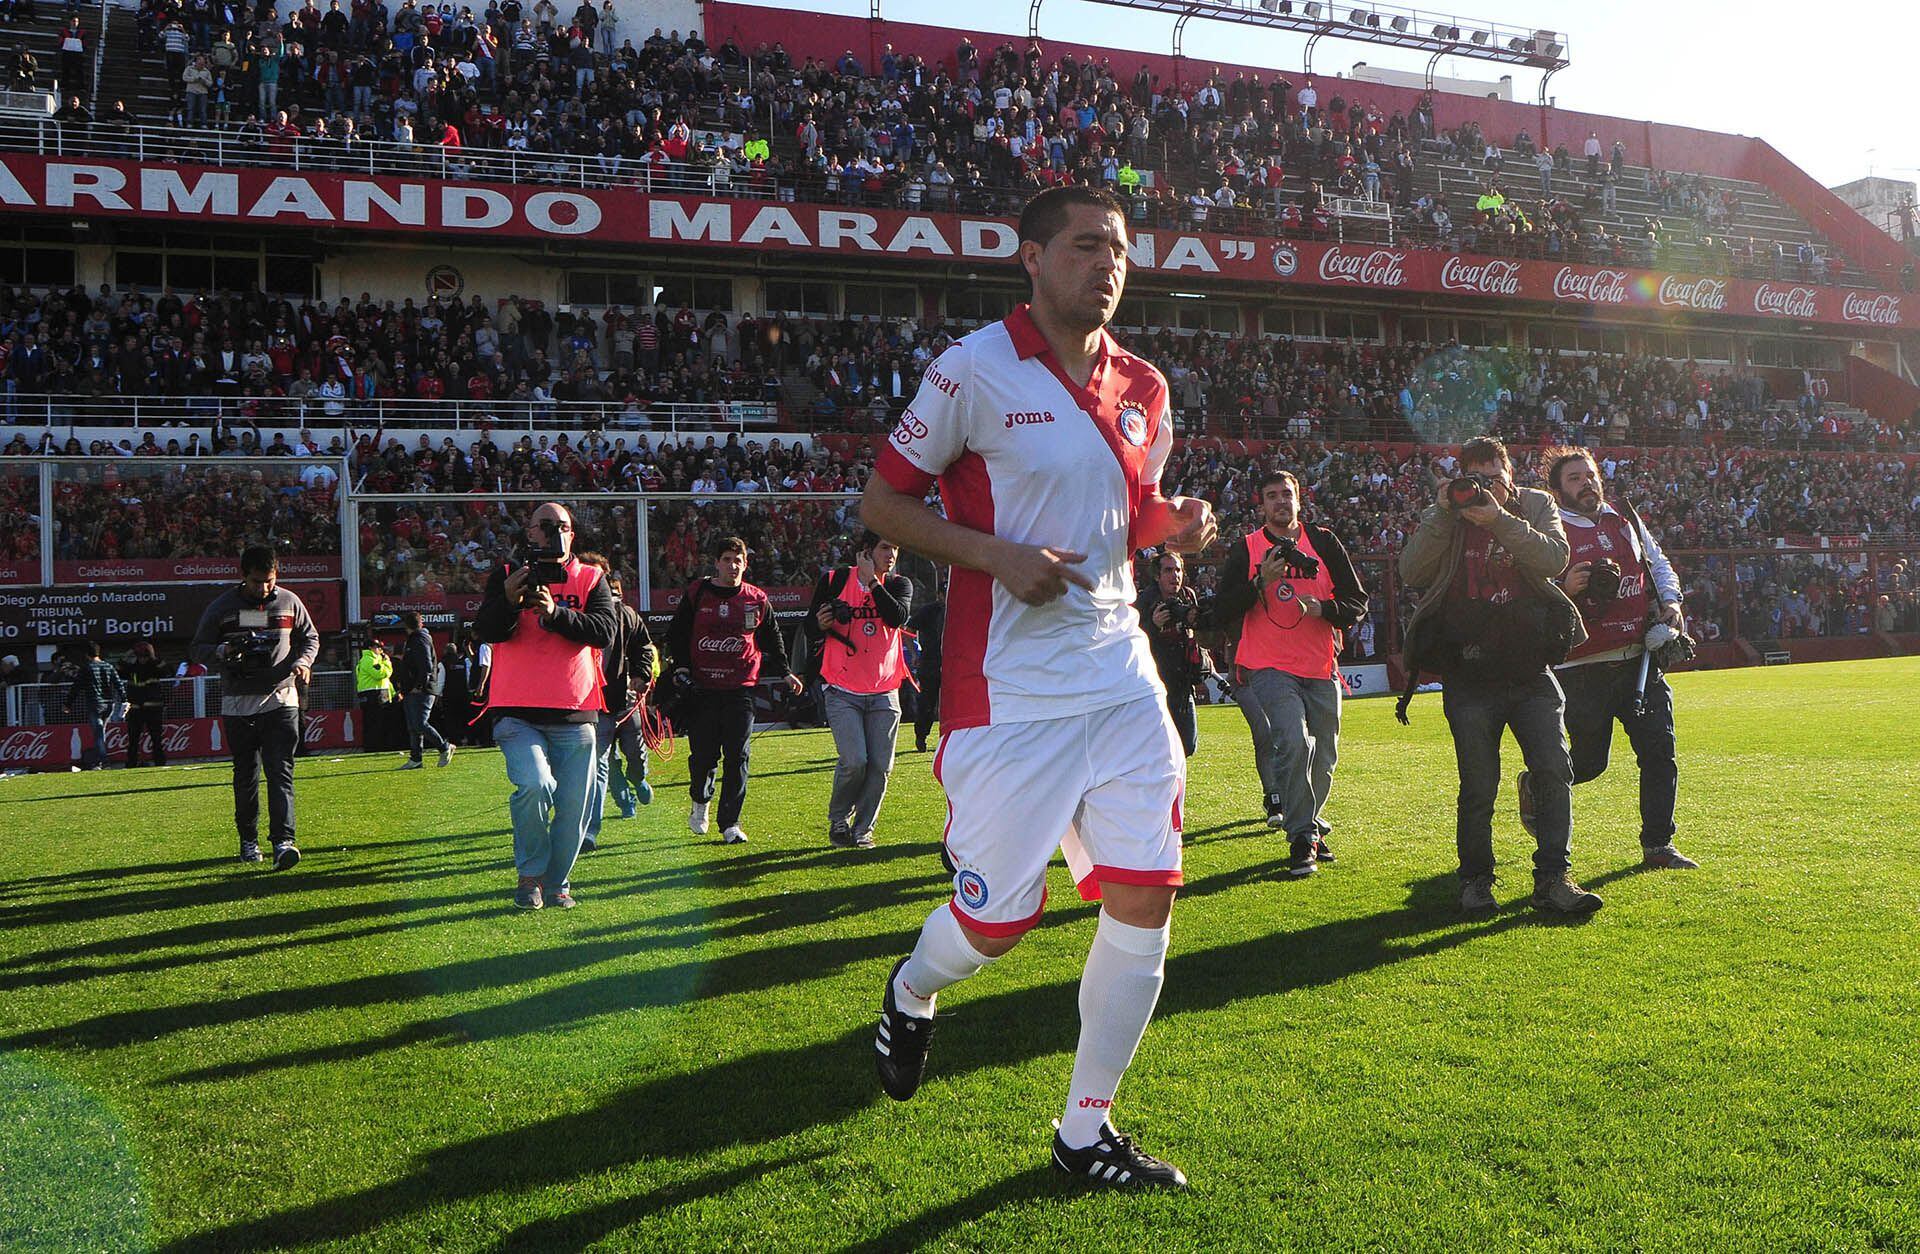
262,640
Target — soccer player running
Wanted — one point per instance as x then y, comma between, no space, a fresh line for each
1602,677
1047,440
1293,589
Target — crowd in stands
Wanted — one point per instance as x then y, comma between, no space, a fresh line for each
538,93
19,519
164,509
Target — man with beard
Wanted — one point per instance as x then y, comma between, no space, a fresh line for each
1602,677
1293,590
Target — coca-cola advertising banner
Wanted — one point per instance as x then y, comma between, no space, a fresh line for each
450,212
150,612
56,746
162,569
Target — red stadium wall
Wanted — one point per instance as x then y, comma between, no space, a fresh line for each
1655,144
1881,393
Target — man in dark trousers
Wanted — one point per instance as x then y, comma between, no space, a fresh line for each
1291,590
421,680
1169,613
626,670
262,640
723,635
148,683
96,691
929,624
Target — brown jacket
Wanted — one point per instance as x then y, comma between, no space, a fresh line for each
1528,527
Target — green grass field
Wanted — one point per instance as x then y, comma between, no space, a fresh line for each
374,1051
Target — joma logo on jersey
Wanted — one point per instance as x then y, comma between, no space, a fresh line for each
1028,420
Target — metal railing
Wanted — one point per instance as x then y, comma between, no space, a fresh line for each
252,147
33,705
317,413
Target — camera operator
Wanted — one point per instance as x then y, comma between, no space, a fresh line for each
1293,591
1171,612
547,615
148,683
626,669
421,680
1622,584
262,640
1492,623
723,634
854,625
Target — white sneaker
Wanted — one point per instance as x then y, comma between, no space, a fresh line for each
697,818
733,836
446,754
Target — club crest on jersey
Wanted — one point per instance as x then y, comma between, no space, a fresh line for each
972,888
1133,425
1606,542
1283,592
726,611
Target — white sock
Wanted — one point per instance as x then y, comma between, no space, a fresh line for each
1125,969
943,956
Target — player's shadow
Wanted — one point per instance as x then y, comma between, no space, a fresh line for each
219,781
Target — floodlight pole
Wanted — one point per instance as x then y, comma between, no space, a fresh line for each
1433,62
1311,41
1033,19
1179,31
1544,80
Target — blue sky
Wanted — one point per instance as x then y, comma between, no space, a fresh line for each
1831,85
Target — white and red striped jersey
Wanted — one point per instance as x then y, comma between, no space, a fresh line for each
1024,453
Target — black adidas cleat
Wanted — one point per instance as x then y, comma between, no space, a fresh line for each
900,1046
1115,1160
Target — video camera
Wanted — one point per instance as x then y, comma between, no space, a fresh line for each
1469,490
544,563
250,652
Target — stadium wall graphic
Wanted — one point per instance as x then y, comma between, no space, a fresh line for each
32,184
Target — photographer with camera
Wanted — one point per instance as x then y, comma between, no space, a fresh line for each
853,627
263,643
626,669
1292,590
421,679
1171,612
1629,599
723,635
1492,623
547,616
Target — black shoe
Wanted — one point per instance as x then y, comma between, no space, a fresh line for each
1115,1160
285,856
1300,863
1320,851
1275,818
840,838
900,1046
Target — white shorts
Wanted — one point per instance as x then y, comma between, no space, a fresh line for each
1105,788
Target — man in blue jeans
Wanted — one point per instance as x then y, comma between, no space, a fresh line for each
420,679
95,693
1485,556
548,616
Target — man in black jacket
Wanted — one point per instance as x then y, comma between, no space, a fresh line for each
1170,612
148,683
1293,591
420,680
626,668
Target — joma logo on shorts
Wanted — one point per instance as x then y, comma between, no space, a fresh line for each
1028,420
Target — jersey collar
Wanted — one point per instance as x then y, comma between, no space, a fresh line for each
1029,342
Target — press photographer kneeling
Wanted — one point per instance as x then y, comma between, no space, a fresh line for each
1171,612
1629,600
1492,622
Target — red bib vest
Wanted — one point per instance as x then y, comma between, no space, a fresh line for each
875,664
725,654
538,669
1624,622
1276,634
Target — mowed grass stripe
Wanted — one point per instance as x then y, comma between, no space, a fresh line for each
375,1052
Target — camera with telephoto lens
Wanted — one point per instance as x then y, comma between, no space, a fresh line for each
1180,613
1603,582
544,565
250,652
1468,491
842,613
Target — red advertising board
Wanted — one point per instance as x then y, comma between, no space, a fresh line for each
162,569
56,746
32,184
14,573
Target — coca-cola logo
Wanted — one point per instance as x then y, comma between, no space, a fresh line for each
1381,267
177,738
724,644
1784,302
1707,294
26,746
1596,287
1489,278
1882,310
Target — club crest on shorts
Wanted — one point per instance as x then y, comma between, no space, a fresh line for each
1133,425
971,887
